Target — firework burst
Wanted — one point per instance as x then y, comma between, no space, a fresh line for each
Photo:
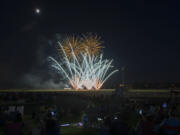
88,72
92,43
69,44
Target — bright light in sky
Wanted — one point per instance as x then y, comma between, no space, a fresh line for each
86,72
37,10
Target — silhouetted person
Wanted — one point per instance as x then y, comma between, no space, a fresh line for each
146,125
52,126
14,127
105,129
171,126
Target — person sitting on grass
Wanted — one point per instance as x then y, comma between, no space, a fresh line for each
1,119
52,127
119,124
146,126
14,127
105,128
36,129
171,125
84,119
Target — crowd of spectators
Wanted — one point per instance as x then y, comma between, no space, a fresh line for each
152,119
14,122
110,115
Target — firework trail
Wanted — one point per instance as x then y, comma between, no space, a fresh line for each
87,72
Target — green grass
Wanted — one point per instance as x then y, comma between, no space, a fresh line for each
78,131
54,90
150,93
72,119
149,90
71,130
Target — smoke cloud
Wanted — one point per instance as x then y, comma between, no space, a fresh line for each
41,74
34,81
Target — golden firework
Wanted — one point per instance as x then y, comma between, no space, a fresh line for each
88,43
92,44
72,44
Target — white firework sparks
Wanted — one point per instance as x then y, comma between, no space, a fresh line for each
88,72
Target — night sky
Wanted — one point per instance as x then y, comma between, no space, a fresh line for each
141,35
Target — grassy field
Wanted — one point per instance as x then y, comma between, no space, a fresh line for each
153,95
55,90
78,131
149,90
64,102
140,94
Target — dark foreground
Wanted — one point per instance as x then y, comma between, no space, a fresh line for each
88,113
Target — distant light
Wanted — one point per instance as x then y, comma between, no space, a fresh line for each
37,10
80,124
99,119
65,125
